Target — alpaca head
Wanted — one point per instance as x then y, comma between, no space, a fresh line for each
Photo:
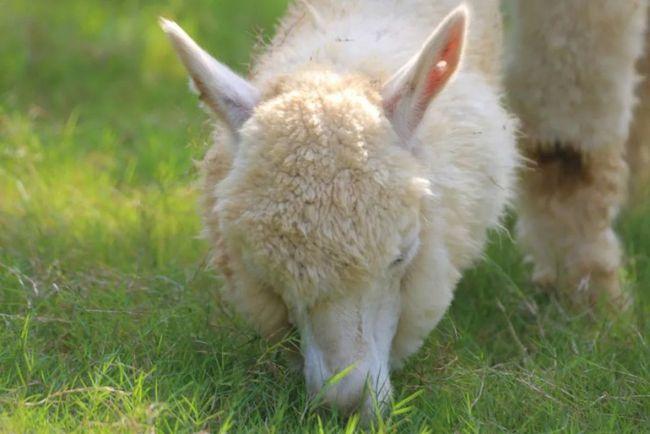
320,212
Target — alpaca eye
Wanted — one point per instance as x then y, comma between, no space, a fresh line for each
397,261
406,254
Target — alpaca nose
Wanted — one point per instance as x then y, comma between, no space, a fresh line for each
346,345
357,388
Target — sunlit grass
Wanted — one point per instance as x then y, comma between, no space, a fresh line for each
109,319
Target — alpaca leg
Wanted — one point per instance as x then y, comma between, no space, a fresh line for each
639,143
569,200
570,76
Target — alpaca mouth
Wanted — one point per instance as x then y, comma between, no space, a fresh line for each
346,346
355,388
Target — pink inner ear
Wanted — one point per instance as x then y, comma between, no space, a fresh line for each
390,104
445,65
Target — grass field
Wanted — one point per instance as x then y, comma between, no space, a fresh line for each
108,316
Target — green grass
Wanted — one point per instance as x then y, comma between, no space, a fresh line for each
109,320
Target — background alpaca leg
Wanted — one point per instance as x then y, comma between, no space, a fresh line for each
639,144
568,202
571,76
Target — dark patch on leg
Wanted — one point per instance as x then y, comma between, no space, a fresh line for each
559,168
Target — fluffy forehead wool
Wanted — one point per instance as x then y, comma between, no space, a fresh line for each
320,193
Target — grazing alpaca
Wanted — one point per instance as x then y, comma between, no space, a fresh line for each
354,177
571,77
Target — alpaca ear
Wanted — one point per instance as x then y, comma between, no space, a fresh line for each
408,93
227,94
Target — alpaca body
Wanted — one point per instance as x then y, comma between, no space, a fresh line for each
571,69
374,37
355,176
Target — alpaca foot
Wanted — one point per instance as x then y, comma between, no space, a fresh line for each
599,288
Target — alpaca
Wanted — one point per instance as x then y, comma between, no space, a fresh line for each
570,76
354,177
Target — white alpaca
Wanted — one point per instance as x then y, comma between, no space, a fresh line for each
355,175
